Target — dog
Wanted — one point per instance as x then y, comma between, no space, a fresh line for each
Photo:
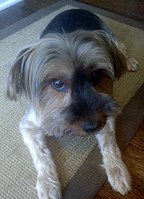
67,77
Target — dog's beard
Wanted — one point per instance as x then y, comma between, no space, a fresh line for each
56,125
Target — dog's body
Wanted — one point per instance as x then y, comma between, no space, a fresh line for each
68,78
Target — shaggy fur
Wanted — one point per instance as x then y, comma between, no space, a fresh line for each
68,80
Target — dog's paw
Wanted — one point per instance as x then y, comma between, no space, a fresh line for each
132,64
48,190
120,179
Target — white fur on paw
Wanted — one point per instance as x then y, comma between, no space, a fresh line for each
119,179
132,64
47,190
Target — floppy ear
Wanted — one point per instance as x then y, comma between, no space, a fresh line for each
16,76
118,59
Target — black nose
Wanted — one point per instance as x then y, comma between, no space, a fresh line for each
91,126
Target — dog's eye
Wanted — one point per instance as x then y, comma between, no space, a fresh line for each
98,75
95,77
58,85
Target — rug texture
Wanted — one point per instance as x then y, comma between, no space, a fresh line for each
75,157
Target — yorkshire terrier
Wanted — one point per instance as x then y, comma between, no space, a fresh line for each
67,76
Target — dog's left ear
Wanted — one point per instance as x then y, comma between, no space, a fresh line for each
118,59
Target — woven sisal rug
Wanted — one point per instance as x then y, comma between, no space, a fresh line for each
78,159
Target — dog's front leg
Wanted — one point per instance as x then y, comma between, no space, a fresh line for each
48,186
116,170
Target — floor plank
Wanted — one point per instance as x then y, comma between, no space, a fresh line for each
133,9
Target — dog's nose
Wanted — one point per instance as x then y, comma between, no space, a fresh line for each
90,127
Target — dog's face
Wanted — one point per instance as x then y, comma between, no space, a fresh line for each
68,80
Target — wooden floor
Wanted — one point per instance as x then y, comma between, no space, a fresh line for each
133,9
21,10
134,155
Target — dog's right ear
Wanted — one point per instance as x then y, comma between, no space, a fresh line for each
118,58
16,77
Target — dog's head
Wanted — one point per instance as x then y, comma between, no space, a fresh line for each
68,80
